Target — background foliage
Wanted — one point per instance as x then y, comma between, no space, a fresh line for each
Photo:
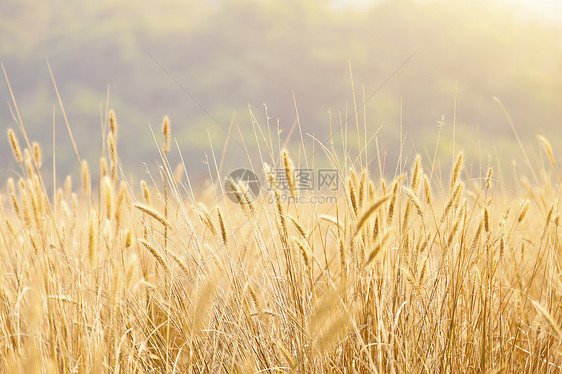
231,54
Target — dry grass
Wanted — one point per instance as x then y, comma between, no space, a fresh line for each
467,278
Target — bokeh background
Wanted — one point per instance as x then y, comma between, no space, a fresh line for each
142,57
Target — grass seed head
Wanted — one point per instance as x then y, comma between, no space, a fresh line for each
156,254
416,172
145,192
362,184
112,143
427,189
92,237
103,167
299,228
548,150
166,132
222,227
353,197
456,171
85,177
303,251
392,203
488,178
413,199
37,154
15,146
372,191
107,189
377,251
343,258
153,213
128,238
206,218
113,123
67,187
369,212
12,191
289,173
121,199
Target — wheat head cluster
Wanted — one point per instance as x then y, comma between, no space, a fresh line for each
414,274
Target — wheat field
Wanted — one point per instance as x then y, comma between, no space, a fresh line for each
418,274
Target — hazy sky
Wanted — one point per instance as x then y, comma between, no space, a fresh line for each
548,10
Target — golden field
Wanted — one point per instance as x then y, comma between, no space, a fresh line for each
418,273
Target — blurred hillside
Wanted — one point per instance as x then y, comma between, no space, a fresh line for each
231,54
